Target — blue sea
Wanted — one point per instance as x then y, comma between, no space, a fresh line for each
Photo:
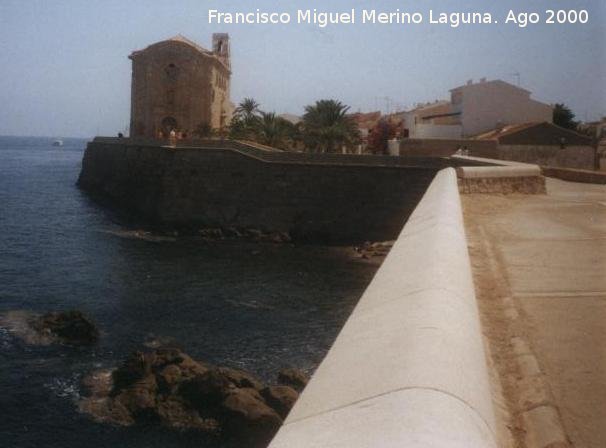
255,306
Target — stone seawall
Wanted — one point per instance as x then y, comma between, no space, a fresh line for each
314,197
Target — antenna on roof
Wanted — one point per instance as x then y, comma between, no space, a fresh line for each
517,76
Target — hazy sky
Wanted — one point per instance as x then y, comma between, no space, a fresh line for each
65,70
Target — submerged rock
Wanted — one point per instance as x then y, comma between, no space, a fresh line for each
377,249
297,379
70,327
67,327
212,233
168,387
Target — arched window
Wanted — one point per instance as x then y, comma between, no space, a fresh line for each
172,72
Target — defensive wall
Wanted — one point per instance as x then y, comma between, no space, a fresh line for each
316,197
571,156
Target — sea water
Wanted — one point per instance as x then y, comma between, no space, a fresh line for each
259,307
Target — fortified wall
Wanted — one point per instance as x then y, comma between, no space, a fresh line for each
313,197
575,156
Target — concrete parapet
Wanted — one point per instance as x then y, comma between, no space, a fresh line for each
408,368
505,177
468,172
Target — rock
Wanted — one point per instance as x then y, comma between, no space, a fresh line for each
136,367
174,412
295,378
190,368
165,356
70,327
106,410
168,378
97,384
279,237
255,234
168,387
140,398
96,402
239,378
232,232
215,234
280,398
246,416
205,392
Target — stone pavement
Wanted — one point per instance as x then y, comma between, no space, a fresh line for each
539,264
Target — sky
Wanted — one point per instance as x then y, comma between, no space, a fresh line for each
66,70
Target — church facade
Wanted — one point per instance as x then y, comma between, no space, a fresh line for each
179,85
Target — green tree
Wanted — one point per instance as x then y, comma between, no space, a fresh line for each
245,120
247,109
272,130
327,128
564,117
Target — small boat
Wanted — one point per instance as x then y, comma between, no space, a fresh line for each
58,143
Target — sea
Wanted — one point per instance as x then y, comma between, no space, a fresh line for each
254,306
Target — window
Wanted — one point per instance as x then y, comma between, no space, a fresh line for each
172,72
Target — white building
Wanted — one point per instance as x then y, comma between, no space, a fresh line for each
475,108
432,120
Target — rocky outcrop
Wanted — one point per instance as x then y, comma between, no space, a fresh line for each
211,234
70,327
167,386
64,327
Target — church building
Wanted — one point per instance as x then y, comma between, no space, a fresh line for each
179,85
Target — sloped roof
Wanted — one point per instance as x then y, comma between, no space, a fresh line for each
536,133
495,134
430,106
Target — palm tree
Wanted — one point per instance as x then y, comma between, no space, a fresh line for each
244,121
272,130
247,109
327,128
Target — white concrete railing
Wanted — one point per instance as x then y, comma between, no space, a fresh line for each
408,369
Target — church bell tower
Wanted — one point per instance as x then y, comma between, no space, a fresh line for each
221,47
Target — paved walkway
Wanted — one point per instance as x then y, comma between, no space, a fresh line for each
540,272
